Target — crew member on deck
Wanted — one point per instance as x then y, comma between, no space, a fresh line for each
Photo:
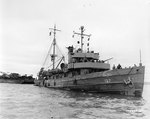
119,66
114,67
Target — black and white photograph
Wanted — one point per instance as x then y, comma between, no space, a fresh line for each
74,59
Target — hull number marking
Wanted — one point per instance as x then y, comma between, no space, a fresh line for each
107,80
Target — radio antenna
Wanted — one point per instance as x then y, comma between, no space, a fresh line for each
82,36
140,58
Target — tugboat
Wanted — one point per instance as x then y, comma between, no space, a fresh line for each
86,72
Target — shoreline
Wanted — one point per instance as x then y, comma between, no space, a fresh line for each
17,81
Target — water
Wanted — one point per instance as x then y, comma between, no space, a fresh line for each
19,101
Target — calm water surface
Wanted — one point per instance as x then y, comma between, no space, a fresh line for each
19,101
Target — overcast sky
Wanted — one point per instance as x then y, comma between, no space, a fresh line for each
119,28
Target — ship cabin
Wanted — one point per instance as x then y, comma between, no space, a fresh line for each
81,63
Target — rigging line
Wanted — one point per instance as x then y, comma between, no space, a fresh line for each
47,55
59,62
49,66
59,49
52,64
60,52
130,70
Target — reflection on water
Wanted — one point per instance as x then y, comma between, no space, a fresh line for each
30,102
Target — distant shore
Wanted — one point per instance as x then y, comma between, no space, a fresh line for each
16,78
17,81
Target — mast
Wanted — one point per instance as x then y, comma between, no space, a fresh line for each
53,56
140,56
140,59
82,36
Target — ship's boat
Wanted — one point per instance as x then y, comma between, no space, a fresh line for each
86,72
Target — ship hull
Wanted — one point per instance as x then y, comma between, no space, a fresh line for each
127,81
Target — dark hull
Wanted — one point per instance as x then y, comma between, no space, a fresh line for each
28,81
127,81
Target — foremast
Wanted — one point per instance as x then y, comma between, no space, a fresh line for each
53,56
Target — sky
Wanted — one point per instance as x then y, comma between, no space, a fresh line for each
118,28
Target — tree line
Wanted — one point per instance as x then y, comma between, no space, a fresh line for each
4,75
